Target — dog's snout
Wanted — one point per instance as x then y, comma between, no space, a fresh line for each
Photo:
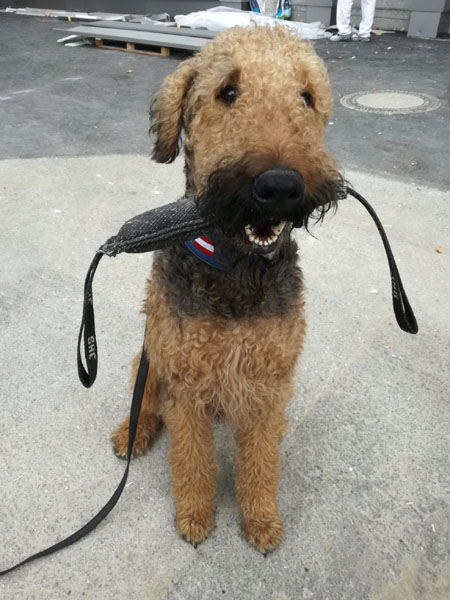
278,188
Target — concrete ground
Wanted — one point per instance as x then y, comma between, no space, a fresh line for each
365,485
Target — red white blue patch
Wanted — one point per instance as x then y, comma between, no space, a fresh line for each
203,248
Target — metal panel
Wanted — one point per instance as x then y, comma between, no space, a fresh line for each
140,37
201,33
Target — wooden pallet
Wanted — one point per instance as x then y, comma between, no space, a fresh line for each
133,47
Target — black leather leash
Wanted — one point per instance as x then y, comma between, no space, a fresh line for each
402,308
124,243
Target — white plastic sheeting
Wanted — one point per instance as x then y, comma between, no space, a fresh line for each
221,18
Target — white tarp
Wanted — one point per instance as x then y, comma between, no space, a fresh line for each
221,18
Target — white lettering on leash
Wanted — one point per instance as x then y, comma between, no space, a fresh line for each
91,347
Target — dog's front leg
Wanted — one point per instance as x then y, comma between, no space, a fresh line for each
258,468
192,469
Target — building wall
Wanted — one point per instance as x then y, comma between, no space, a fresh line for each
389,14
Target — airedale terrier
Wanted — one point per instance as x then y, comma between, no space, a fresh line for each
224,339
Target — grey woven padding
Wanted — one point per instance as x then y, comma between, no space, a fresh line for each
161,227
157,228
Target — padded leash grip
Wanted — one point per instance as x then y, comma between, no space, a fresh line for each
158,228
402,309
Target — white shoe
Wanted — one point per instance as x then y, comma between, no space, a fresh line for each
357,38
337,37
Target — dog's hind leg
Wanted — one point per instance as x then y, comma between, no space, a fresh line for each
149,421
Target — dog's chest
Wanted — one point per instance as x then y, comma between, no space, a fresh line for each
236,366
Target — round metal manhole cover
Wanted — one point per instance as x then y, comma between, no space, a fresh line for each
389,102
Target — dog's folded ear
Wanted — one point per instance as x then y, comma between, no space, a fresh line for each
167,109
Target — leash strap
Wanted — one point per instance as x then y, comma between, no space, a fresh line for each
138,393
87,330
402,308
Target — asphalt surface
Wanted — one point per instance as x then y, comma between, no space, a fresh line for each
365,485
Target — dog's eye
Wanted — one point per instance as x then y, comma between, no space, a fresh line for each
308,99
228,95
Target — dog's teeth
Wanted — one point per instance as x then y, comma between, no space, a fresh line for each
277,229
265,241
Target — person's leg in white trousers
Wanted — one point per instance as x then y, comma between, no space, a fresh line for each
343,16
368,13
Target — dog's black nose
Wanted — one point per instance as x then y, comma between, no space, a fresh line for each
280,189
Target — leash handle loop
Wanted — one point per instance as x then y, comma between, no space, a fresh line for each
402,308
87,329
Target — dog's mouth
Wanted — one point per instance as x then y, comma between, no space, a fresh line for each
264,237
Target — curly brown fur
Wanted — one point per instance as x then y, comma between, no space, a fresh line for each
227,343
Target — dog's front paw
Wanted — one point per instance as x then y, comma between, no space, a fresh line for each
147,429
264,534
195,529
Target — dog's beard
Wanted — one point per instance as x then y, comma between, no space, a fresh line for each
229,204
